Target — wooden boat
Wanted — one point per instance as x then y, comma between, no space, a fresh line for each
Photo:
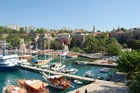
104,70
78,82
27,57
42,62
33,86
56,81
13,89
72,55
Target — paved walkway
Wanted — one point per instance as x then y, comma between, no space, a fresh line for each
101,86
100,62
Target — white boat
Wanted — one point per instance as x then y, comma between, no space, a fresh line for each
56,81
57,67
89,74
72,70
101,77
104,70
9,62
78,82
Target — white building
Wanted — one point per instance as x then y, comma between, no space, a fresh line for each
15,27
64,36
3,44
29,28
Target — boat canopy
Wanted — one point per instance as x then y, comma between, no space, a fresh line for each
35,61
8,56
36,84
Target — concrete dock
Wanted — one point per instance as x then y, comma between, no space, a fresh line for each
91,56
101,86
98,63
53,72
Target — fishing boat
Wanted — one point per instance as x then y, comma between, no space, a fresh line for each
104,70
13,89
89,74
78,82
56,81
33,86
8,62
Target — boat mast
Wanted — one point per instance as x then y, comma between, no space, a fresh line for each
45,49
36,50
49,54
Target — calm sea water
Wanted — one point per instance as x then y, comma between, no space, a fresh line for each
9,78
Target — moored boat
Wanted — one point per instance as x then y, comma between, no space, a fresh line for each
78,82
101,77
72,70
9,62
89,74
56,81
57,67
26,57
104,70
33,86
72,55
13,89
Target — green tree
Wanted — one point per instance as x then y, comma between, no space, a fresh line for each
124,45
56,45
14,41
21,30
90,44
2,29
113,47
52,34
134,85
75,49
129,62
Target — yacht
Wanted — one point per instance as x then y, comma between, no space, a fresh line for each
56,81
9,62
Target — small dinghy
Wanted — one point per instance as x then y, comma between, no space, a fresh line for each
89,74
104,70
101,77
72,70
78,82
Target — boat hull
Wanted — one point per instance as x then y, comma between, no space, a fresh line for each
57,86
9,68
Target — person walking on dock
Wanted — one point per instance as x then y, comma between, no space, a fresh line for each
77,91
86,91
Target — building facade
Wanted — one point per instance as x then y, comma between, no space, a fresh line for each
29,28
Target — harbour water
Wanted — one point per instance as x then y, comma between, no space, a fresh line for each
8,78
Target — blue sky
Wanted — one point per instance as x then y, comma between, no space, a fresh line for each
74,14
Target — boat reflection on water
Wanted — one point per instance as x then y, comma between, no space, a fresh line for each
13,89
